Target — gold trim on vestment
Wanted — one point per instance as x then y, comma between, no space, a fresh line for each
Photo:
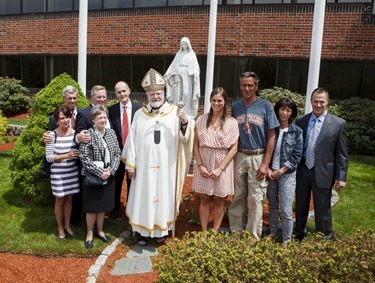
145,111
155,227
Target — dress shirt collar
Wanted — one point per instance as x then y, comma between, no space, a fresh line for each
320,118
128,105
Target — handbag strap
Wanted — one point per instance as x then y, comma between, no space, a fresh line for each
101,155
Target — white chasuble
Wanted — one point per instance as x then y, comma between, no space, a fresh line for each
151,150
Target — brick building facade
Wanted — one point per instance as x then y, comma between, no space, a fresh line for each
269,39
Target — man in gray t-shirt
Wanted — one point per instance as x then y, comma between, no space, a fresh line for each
257,122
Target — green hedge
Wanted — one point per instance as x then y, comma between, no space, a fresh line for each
3,126
29,148
358,113
224,257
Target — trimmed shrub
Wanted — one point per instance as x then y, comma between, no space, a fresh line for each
360,118
3,126
236,257
276,93
29,148
13,97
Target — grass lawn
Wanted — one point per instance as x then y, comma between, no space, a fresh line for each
30,228
18,121
356,207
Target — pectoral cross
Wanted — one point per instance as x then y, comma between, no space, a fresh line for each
155,167
155,201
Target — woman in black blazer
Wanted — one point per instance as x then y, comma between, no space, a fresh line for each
100,157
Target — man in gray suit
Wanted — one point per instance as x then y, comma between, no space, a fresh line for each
324,164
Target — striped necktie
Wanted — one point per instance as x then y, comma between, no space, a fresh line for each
310,151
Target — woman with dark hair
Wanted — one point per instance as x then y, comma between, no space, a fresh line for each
215,144
63,152
282,174
100,157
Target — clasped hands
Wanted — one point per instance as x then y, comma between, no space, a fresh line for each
106,174
205,174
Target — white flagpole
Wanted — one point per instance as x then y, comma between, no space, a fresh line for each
82,44
315,51
210,55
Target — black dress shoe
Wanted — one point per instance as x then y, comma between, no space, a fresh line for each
105,238
73,235
114,213
88,245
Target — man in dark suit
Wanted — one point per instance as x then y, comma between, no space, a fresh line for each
117,118
70,96
324,164
98,96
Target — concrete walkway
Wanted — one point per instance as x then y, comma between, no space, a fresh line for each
138,259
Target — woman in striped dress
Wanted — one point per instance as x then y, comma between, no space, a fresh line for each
63,152
215,144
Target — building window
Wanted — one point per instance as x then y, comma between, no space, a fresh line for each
184,2
58,5
298,76
10,67
283,70
112,4
116,68
60,64
94,68
33,6
33,71
266,71
10,7
141,65
227,75
148,3
341,79
369,82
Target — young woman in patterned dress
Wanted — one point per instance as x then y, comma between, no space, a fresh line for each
215,144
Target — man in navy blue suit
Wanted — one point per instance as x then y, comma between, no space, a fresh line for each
98,96
324,164
117,118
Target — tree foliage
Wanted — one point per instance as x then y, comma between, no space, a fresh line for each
29,148
13,97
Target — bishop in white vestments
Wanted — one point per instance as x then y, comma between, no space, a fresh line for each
157,154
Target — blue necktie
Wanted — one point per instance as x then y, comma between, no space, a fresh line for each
310,151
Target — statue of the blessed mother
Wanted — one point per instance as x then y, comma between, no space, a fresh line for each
185,64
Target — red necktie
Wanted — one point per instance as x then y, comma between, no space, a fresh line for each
125,126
